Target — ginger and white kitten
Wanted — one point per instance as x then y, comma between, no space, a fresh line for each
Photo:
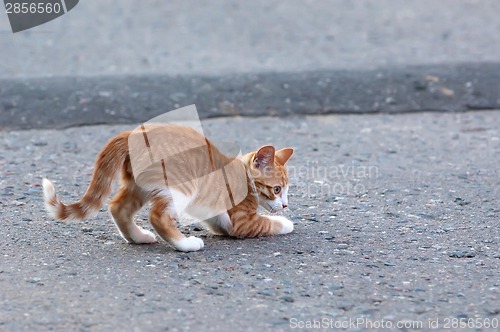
266,180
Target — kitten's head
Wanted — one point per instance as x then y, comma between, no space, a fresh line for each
267,167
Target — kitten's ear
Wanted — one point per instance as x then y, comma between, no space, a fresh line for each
283,155
264,157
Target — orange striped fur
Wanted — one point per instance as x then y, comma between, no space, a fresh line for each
266,181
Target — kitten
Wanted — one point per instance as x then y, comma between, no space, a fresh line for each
264,181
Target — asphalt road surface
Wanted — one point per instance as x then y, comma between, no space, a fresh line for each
396,219
176,37
396,216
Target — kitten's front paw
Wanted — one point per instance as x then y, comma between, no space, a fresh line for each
142,236
286,225
191,243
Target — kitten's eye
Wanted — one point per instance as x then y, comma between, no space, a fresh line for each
277,190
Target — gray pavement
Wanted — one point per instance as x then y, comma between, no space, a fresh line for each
396,218
102,37
396,215
128,61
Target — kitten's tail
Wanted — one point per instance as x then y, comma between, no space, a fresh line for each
106,166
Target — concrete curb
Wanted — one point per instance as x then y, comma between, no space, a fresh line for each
76,101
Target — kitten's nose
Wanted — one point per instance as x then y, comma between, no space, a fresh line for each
284,206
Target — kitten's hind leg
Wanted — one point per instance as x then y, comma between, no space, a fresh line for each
123,207
164,219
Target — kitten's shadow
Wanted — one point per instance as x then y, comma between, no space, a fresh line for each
162,247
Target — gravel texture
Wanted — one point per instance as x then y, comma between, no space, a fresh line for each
396,218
